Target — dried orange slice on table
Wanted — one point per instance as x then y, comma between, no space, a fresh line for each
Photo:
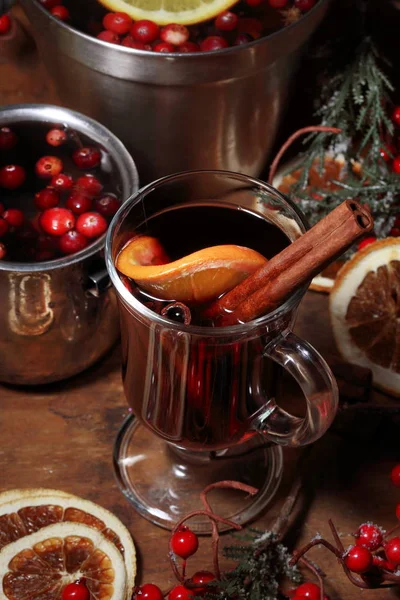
365,312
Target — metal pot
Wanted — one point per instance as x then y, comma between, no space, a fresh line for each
58,317
176,112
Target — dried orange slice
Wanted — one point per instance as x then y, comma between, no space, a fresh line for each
39,565
196,278
23,512
365,312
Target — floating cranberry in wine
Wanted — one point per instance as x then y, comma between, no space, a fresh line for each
91,224
12,177
8,139
118,22
56,137
47,198
107,205
174,34
48,167
57,221
145,31
87,157
79,202
72,242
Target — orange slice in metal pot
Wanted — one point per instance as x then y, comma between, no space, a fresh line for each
196,278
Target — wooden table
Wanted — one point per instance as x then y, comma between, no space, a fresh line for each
61,436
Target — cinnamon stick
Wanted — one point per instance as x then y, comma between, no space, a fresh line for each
297,264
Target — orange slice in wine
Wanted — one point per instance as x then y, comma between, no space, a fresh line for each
39,566
196,278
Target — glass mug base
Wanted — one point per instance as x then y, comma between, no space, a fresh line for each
164,483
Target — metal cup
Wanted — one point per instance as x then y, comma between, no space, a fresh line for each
178,112
58,317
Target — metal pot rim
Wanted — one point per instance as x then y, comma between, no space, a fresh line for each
48,113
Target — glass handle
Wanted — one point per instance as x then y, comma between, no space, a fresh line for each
319,387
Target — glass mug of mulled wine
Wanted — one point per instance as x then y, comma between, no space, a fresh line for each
209,396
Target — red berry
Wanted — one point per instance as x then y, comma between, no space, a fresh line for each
187,47
366,241
278,3
91,225
383,153
5,24
226,21
62,182
48,167
129,42
60,12
72,242
118,22
392,550
254,2
8,139
47,243
145,31
242,38
88,157
179,592
250,25
47,198
14,217
75,591
49,4
174,34
90,184
398,511
396,164
79,202
395,475
184,543
4,227
164,47
44,255
202,578
396,115
304,5
107,205
213,42
3,251
57,221
12,177
149,591
358,559
296,597
369,536
309,590
56,137
109,36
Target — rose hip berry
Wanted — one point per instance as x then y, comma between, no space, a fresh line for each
14,217
184,543
4,227
47,198
87,157
79,202
369,536
60,12
395,475
145,31
392,550
57,221
91,224
56,137
90,184
8,139
72,242
118,22
109,36
149,591
48,167
12,177
358,559
226,21
62,182
308,590
180,592
75,591
164,47
202,578
213,42
3,251
174,34
5,24
107,205
304,5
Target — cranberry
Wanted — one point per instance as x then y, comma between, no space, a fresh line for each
398,511
107,205
79,202
47,198
129,42
187,47
395,475
49,4
48,166
14,217
118,22
4,227
88,157
72,242
91,225
304,5
5,24
56,137
145,31
309,590
392,550
396,115
47,243
226,21
8,139
179,592
369,536
184,543
60,12
3,251
75,591
253,2
90,184
213,42
12,177
174,34
35,223
109,36
202,578
366,241
358,559
149,591
250,25
62,182
243,38
278,3
164,47
57,221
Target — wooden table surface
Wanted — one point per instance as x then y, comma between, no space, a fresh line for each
62,435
